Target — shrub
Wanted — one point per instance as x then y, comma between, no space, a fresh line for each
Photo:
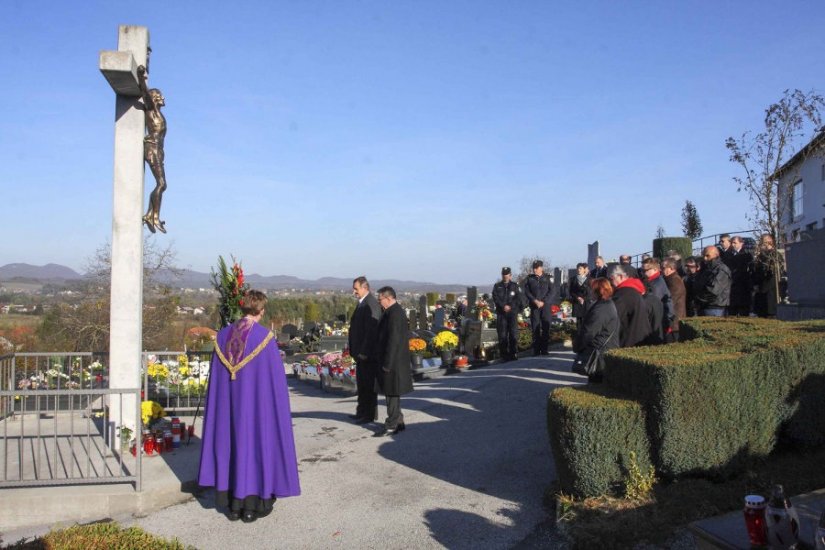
732,393
682,245
432,298
102,536
736,390
592,433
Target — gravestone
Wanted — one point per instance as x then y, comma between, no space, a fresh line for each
438,319
120,68
471,340
413,319
472,297
422,312
592,253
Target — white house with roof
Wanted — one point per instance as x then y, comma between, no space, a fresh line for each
802,187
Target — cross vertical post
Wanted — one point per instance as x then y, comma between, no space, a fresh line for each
126,313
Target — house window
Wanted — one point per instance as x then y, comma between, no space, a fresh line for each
796,206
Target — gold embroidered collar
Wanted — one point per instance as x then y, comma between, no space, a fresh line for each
233,369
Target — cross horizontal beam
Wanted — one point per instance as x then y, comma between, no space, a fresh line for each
120,70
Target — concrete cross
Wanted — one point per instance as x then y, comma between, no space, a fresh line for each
126,318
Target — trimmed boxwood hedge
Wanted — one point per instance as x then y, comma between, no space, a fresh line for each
592,433
663,245
734,391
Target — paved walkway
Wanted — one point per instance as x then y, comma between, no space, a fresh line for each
470,471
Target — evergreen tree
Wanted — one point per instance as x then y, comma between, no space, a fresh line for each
691,224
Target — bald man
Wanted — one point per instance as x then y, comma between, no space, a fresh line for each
712,285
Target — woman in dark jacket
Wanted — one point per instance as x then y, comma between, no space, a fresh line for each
581,295
600,328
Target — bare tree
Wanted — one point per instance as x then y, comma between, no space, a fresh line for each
526,267
85,326
691,224
789,123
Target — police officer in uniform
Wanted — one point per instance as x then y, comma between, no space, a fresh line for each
537,289
507,299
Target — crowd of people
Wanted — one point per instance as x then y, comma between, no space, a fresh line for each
619,305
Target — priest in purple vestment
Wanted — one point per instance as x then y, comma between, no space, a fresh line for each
248,452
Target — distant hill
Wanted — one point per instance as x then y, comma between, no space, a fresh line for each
195,279
48,272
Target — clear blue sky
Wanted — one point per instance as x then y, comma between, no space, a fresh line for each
422,140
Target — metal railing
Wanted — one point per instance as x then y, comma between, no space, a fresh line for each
706,240
176,380
57,428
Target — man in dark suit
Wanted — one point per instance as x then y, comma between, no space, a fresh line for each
363,340
394,376
537,289
740,285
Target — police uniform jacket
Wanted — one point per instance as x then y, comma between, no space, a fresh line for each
537,288
506,294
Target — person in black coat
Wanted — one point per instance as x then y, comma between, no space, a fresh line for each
507,299
581,295
763,275
712,285
656,287
537,290
600,327
634,324
395,374
363,339
739,263
600,270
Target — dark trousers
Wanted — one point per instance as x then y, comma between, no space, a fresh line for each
367,398
540,323
507,327
714,312
394,415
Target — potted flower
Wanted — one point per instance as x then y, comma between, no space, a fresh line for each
445,342
417,347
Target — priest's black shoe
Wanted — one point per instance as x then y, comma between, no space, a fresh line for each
233,515
248,516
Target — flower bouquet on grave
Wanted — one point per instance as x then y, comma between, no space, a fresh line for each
314,363
150,413
417,347
229,282
347,366
329,363
445,342
566,309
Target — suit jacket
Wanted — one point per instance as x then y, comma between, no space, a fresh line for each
395,375
363,330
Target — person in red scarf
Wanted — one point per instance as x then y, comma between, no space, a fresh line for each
634,326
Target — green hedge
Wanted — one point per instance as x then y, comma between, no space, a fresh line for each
682,245
730,394
738,388
592,433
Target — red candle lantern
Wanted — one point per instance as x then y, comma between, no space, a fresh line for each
149,445
755,520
